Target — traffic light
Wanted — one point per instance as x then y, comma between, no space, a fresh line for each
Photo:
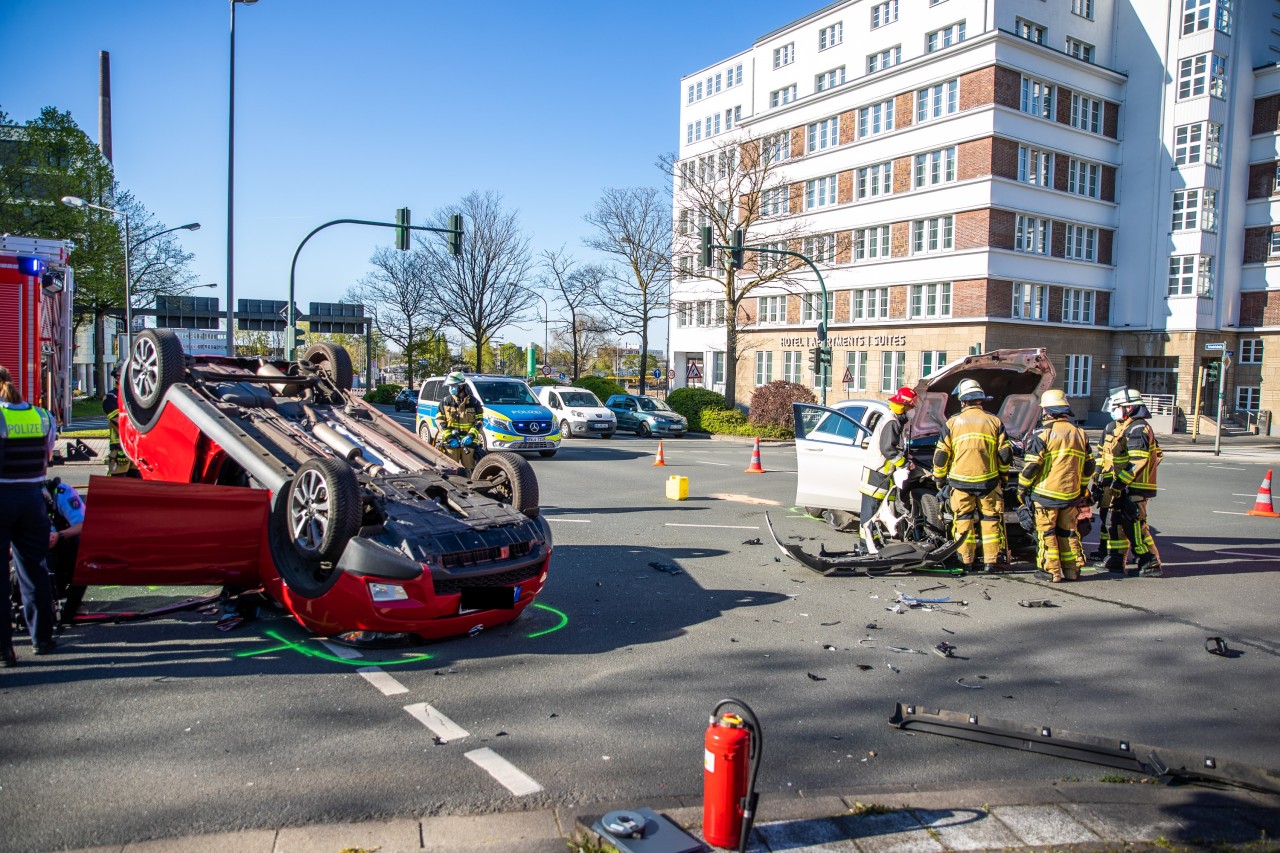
735,254
706,246
815,361
297,342
825,355
455,238
402,233
1212,371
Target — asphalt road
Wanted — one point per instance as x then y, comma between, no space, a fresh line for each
654,611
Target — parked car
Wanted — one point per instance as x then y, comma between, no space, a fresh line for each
513,417
580,411
272,475
406,400
646,416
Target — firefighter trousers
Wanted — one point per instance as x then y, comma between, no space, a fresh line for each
1058,551
973,515
1135,534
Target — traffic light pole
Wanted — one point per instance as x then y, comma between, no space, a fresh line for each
291,330
1222,384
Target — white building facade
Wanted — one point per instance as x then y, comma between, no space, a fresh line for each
1098,177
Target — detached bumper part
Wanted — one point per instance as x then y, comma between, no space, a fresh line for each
892,558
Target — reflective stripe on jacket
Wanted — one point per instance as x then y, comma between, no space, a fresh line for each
1058,461
1144,457
884,453
1113,456
974,451
25,435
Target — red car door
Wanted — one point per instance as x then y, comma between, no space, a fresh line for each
148,532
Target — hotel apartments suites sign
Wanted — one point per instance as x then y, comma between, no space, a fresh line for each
846,341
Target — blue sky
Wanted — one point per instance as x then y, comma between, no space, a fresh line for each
353,109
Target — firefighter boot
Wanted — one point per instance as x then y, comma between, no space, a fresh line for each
1113,563
1149,567
868,539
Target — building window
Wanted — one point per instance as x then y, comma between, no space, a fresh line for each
1077,306
935,167
733,76
886,58
1198,74
937,101
1030,301
1082,243
717,368
821,249
1037,98
773,202
1191,274
856,369
1035,166
1251,350
1083,8
893,370
1195,16
772,310
931,360
1218,77
732,116
1082,177
1086,113
875,119
875,180
820,192
884,13
1249,398
822,378
936,234
778,146
1079,49
690,101
829,79
871,303
764,368
784,55
1273,245
811,306
1188,143
785,95
1079,377
824,134
831,36
1031,234
1195,210
1030,31
931,300
1223,19
945,37
792,366
871,243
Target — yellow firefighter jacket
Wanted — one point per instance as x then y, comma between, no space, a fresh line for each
1057,463
974,453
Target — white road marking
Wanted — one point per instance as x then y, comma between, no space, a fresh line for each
344,652
702,462
745,499
380,679
1227,512
1224,467
507,774
717,526
1246,554
569,520
444,728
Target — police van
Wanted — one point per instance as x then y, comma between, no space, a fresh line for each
513,419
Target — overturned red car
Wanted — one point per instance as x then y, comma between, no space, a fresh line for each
260,474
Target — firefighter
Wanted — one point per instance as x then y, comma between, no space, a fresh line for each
886,453
458,422
27,437
972,463
118,462
1135,484
1112,456
1057,464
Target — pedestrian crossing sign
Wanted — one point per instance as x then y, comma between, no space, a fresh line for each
693,373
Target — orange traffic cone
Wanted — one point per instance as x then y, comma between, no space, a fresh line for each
1262,505
754,467
661,461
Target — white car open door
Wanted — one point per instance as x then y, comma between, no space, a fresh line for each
830,448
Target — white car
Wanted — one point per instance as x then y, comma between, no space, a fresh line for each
579,411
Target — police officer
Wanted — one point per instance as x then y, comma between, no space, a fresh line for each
1134,485
457,422
972,460
886,453
27,437
65,508
1057,463
1112,458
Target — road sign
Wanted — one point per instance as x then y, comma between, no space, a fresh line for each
546,371
657,373
562,376
848,377
1231,353
1215,347
670,373
693,372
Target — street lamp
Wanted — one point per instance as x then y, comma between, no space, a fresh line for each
231,183
546,325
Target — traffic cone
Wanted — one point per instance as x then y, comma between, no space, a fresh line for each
754,467
1262,505
661,461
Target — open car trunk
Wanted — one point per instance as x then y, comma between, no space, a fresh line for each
1013,378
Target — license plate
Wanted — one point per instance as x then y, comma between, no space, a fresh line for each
488,598
535,445
599,426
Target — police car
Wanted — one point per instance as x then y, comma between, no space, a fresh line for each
513,419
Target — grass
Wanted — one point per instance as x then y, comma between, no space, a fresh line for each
1117,779
86,407
870,808
582,843
84,433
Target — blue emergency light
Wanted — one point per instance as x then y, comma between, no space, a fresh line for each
30,266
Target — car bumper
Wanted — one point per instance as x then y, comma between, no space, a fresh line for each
507,441
668,429
593,428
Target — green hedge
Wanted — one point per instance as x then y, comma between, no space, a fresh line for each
544,380
693,402
384,393
734,422
601,387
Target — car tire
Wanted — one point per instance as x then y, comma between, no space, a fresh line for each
510,480
546,454
607,435
334,361
931,509
325,508
564,430
643,430
814,511
156,363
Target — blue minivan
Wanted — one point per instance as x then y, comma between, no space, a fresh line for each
513,417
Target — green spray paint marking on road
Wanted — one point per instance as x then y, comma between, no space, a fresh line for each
308,651
800,511
564,620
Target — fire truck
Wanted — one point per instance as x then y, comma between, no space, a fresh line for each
37,289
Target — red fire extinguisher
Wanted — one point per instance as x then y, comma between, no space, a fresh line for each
731,760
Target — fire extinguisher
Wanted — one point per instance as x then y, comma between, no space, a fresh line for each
731,760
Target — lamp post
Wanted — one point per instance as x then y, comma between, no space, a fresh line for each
231,184
546,325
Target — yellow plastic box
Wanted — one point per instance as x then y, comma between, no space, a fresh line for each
677,487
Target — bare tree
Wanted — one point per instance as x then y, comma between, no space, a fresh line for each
576,285
738,184
482,289
633,227
401,300
583,340
157,264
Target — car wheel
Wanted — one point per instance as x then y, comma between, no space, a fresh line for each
546,454
931,509
643,430
424,432
324,508
814,511
607,435
508,478
334,361
564,429
156,363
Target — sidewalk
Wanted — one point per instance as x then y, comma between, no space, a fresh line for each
1060,816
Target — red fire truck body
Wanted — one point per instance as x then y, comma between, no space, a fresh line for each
37,289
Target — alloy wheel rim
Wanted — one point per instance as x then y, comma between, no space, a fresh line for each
145,375
309,510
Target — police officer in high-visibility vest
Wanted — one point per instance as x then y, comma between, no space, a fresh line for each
1057,463
972,459
1135,484
886,453
27,436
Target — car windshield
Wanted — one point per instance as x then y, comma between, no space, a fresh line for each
648,404
504,393
579,398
